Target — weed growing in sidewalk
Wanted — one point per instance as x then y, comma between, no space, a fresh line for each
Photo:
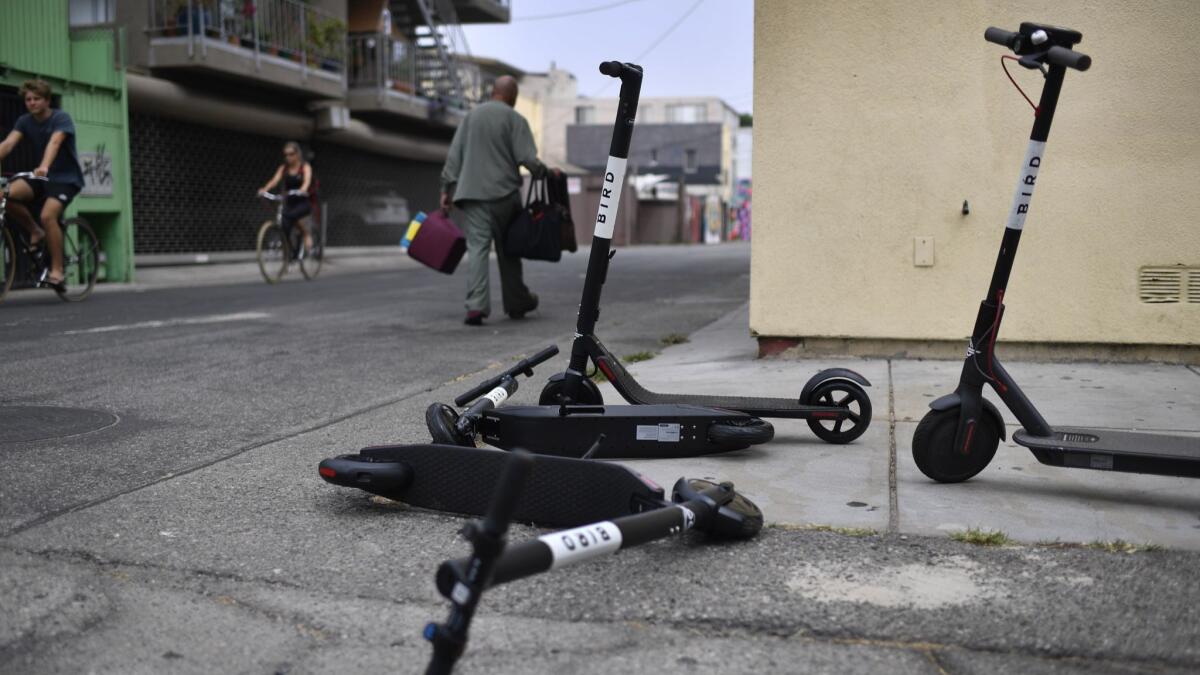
980,537
813,527
1122,546
673,339
638,356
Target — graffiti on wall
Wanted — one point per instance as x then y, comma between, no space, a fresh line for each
97,172
739,211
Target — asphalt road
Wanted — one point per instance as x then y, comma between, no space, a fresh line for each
188,532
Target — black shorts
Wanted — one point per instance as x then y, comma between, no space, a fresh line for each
42,190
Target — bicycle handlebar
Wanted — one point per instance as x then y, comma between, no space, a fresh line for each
271,196
524,366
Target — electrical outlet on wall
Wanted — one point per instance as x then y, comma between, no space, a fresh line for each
923,251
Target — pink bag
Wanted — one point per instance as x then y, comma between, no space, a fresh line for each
439,243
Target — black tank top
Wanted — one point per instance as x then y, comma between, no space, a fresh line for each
293,182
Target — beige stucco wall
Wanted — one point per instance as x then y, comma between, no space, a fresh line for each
875,120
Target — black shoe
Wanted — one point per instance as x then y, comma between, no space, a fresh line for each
521,314
474,318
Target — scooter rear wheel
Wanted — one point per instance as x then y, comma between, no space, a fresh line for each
843,394
741,433
442,422
933,446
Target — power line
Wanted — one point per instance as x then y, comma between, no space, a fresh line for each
560,15
670,30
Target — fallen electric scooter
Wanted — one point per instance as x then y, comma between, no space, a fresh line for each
714,509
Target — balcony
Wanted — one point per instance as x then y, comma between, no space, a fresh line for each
283,44
483,11
384,78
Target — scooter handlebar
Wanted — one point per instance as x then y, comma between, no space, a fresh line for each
524,366
1068,58
611,68
1001,37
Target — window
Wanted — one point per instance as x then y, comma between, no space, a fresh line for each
653,156
686,113
92,12
689,161
585,114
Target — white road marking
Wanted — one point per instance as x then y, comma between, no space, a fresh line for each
214,318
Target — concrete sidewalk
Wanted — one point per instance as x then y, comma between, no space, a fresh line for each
873,483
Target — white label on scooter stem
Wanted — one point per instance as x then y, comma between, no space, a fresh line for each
610,197
498,395
582,543
1025,185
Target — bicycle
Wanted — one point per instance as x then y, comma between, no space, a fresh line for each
278,246
25,266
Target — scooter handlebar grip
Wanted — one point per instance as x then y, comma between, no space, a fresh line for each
1001,37
543,355
1068,58
611,68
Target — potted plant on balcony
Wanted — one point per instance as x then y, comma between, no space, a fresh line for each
333,34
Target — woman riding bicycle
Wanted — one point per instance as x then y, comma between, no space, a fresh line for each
296,174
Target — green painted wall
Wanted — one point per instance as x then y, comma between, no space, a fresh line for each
84,66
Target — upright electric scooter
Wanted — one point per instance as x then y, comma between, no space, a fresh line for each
833,401
959,436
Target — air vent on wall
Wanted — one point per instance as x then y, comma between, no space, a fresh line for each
1169,285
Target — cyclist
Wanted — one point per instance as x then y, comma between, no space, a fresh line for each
52,133
296,174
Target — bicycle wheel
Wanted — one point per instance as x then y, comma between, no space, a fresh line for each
310,262
81,259
8,262
273,252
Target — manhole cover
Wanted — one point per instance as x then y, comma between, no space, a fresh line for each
23,423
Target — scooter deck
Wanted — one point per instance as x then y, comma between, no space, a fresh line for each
630,431
635,393
1124,451
560,492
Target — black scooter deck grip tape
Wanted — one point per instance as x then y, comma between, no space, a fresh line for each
560,492
1001,37
1068,58
507,491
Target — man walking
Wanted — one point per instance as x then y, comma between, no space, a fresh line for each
482,178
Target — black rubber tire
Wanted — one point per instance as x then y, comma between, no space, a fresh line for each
442,422
8,262
81,259
552,393
734,435
273,253
846,394
933,446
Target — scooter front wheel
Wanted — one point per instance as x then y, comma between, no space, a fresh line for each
552,393
934,452
442,422
741,433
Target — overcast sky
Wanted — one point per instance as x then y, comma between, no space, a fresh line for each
709,53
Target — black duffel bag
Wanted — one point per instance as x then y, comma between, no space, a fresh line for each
536,232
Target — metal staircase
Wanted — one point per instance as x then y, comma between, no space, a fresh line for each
433,28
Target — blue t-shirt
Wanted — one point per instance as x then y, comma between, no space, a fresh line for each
65,167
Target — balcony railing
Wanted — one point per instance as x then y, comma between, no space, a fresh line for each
285,28
382,62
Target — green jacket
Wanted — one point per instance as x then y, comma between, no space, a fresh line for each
488,147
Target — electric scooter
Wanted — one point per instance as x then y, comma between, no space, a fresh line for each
589,431
833,401
715,509
562,492
959,435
